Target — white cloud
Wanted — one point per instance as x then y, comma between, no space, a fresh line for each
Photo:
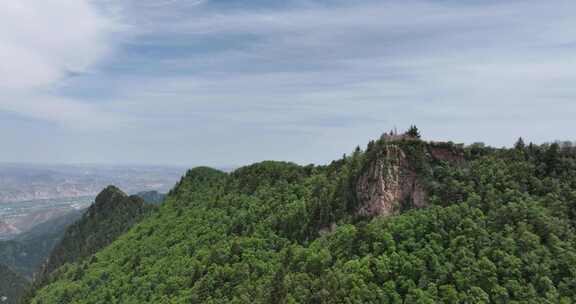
65,111
329,76
381,63
41,42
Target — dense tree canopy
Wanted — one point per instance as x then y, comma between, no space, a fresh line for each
498,228
112,214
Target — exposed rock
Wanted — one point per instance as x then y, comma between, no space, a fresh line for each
389,183
327,230
445,152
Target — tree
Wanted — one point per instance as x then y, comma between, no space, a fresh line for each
413,132
520,145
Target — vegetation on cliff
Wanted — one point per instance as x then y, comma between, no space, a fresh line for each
498,227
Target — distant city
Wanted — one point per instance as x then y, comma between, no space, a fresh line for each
33,194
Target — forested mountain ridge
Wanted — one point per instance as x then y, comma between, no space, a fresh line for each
112,213
469,225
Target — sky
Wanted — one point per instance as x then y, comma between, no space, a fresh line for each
231,82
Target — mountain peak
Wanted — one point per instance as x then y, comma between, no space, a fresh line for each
112,214
109,193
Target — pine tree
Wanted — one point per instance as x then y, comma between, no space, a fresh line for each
413,132
520,145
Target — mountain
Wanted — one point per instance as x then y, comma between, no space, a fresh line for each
152,197
55,226
28,219
24,182
12,286
27,251
112,214
402,221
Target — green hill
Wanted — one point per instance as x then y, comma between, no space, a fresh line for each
112,214
403,221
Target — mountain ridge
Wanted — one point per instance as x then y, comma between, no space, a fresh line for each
276,232
112,213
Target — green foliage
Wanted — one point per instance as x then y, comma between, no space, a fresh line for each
413,132
112,214
499,229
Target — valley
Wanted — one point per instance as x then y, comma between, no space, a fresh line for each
20,217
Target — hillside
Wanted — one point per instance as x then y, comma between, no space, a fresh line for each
12,286
112,214
28,182
403,221
26,253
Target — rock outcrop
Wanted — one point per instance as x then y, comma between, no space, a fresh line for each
446,152
394,180
389,183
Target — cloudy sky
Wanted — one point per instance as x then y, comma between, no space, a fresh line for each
229,82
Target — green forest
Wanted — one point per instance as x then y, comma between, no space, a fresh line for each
497,226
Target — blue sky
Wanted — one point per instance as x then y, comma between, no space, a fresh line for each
230,82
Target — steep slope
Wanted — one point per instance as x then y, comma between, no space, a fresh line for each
494,226
12,286
112,214
26,253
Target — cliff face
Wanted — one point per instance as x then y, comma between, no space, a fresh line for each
443,152
389,183
394,180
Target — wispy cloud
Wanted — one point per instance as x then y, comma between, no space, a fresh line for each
41,43
330,74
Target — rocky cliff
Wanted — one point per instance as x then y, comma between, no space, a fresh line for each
388,183
394,179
